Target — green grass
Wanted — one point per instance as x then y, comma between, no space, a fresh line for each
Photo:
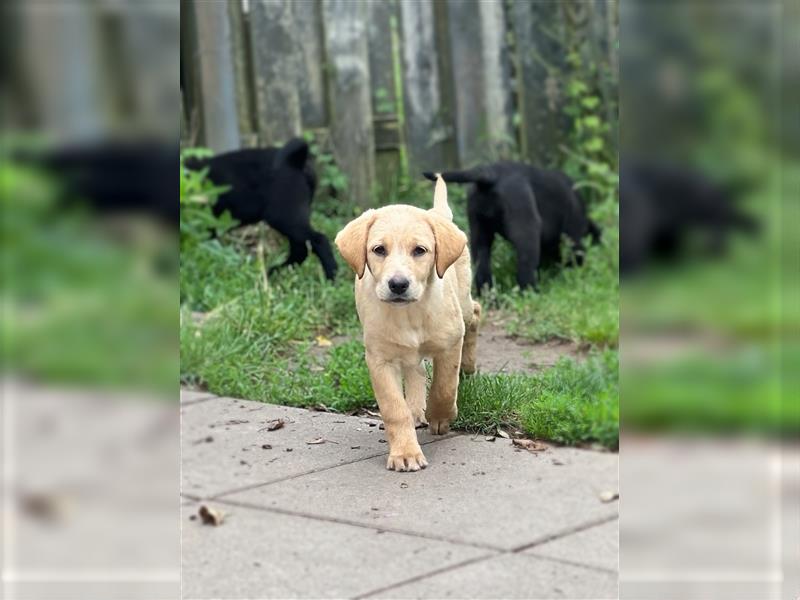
570,403
259,342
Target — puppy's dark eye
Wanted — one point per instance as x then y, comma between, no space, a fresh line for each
379,250
418,251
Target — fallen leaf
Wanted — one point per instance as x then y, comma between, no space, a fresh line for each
503,434
323,342
354,447
529,445
266,446
206,440
273,425
403,485
372,413
608,496
288,449
490,438
210,516
316,441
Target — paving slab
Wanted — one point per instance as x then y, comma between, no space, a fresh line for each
474,491
510,576
596,546
222,443
258,554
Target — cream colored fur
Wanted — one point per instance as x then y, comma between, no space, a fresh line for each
439,320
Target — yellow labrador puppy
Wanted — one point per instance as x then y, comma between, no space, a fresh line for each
412,292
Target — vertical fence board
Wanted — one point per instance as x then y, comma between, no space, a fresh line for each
190,76
276,62
538,33
349,87
496,77
215,49
242,74
470,106
385,106
310,77
481,78
427,132
381,61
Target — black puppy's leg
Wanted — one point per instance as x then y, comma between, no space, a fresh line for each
298,251
482,238
322,248
528,250
483,267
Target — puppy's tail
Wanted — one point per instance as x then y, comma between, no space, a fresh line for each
440,204
294,153
483,177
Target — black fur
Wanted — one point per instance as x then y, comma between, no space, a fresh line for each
115,177
530,207
662,205
275,185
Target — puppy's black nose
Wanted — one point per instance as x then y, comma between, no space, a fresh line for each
398,285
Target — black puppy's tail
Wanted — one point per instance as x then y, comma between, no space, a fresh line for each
293,154
483,177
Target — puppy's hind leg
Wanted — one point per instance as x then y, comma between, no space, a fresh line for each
442,407
322,248
469,351
298,251
415,380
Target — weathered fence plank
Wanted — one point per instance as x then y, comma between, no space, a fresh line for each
385,105
381,70
242,75
480,79
276,61
310,77
426,128
538,30
215,50
496,77
349,87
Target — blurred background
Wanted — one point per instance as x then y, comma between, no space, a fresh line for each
709,301
88,185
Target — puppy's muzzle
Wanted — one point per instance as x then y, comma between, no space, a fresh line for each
398,286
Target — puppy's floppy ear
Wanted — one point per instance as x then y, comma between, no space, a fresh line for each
352,241
450,242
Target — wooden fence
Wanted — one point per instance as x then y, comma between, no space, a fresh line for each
389,85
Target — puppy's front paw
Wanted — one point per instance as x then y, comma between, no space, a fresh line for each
438,426
419,418
408,461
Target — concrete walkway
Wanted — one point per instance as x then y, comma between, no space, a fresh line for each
327,520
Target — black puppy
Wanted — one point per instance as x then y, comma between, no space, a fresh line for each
662,206
275,185
114,177
530,207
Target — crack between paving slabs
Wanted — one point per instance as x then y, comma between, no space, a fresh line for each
253,486
571,563
386,588
379,528
555,536
564,533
